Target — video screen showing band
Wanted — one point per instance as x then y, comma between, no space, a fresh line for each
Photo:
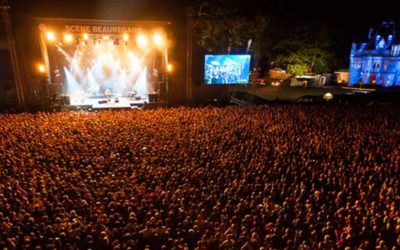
226,69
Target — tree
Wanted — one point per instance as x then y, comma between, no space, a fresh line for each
304,49
219,27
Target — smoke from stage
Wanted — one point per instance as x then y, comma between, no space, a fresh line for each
93,71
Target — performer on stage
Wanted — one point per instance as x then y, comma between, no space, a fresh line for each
82,97
107,94
132,94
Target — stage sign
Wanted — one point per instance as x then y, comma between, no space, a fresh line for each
101,29
100,26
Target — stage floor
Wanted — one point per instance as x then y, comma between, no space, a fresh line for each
99,103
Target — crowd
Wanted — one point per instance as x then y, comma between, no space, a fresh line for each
248,178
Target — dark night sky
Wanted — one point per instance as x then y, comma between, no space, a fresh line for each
351,17
348,14
349,20
344,11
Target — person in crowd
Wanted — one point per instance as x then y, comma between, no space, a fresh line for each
265,177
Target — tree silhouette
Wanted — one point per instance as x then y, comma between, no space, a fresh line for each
304,49
218,26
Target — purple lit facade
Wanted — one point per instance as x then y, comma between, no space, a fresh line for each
378,61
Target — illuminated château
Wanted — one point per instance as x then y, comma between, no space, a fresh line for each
378,61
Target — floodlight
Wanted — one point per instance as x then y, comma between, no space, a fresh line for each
50,36
68,38
41,68
170,68
142,40
158,39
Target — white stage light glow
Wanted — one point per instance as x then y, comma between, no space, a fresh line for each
134,61
169,67
41,68
68,38
142,40
50,36
141,84
95,70
158,39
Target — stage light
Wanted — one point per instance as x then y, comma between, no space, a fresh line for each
85,36
41,68
142,40
158,39
170,68
50,36
125,37
68,38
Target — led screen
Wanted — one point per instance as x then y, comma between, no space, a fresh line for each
226,69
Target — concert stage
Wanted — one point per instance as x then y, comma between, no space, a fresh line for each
104,103
86,59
